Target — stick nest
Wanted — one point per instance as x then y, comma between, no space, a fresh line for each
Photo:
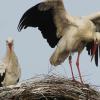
49,87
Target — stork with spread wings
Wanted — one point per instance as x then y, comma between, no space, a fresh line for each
68,33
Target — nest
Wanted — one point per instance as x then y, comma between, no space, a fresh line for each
49,87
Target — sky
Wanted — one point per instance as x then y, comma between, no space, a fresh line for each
32,50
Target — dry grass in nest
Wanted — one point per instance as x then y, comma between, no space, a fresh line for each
51,87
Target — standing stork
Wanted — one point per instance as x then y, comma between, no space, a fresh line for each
70,34
10,70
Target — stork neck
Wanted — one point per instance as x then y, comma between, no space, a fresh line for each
9,51
9,55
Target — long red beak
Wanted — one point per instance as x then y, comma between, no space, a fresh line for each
10,46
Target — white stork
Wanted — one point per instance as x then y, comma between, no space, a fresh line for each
10,70
70,34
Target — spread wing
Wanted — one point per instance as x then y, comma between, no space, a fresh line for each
49,17
95,18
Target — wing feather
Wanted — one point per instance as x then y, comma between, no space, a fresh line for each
2,73
49,17
95,18
89,48
96,57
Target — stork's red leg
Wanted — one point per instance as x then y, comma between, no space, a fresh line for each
70,63
78,67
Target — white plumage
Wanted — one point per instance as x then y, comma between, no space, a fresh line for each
10,70
70,34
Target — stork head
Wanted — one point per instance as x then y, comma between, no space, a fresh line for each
9,42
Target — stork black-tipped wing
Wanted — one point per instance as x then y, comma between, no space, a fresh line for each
95,18
43,20
89,48
48,16
2,73
2,76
